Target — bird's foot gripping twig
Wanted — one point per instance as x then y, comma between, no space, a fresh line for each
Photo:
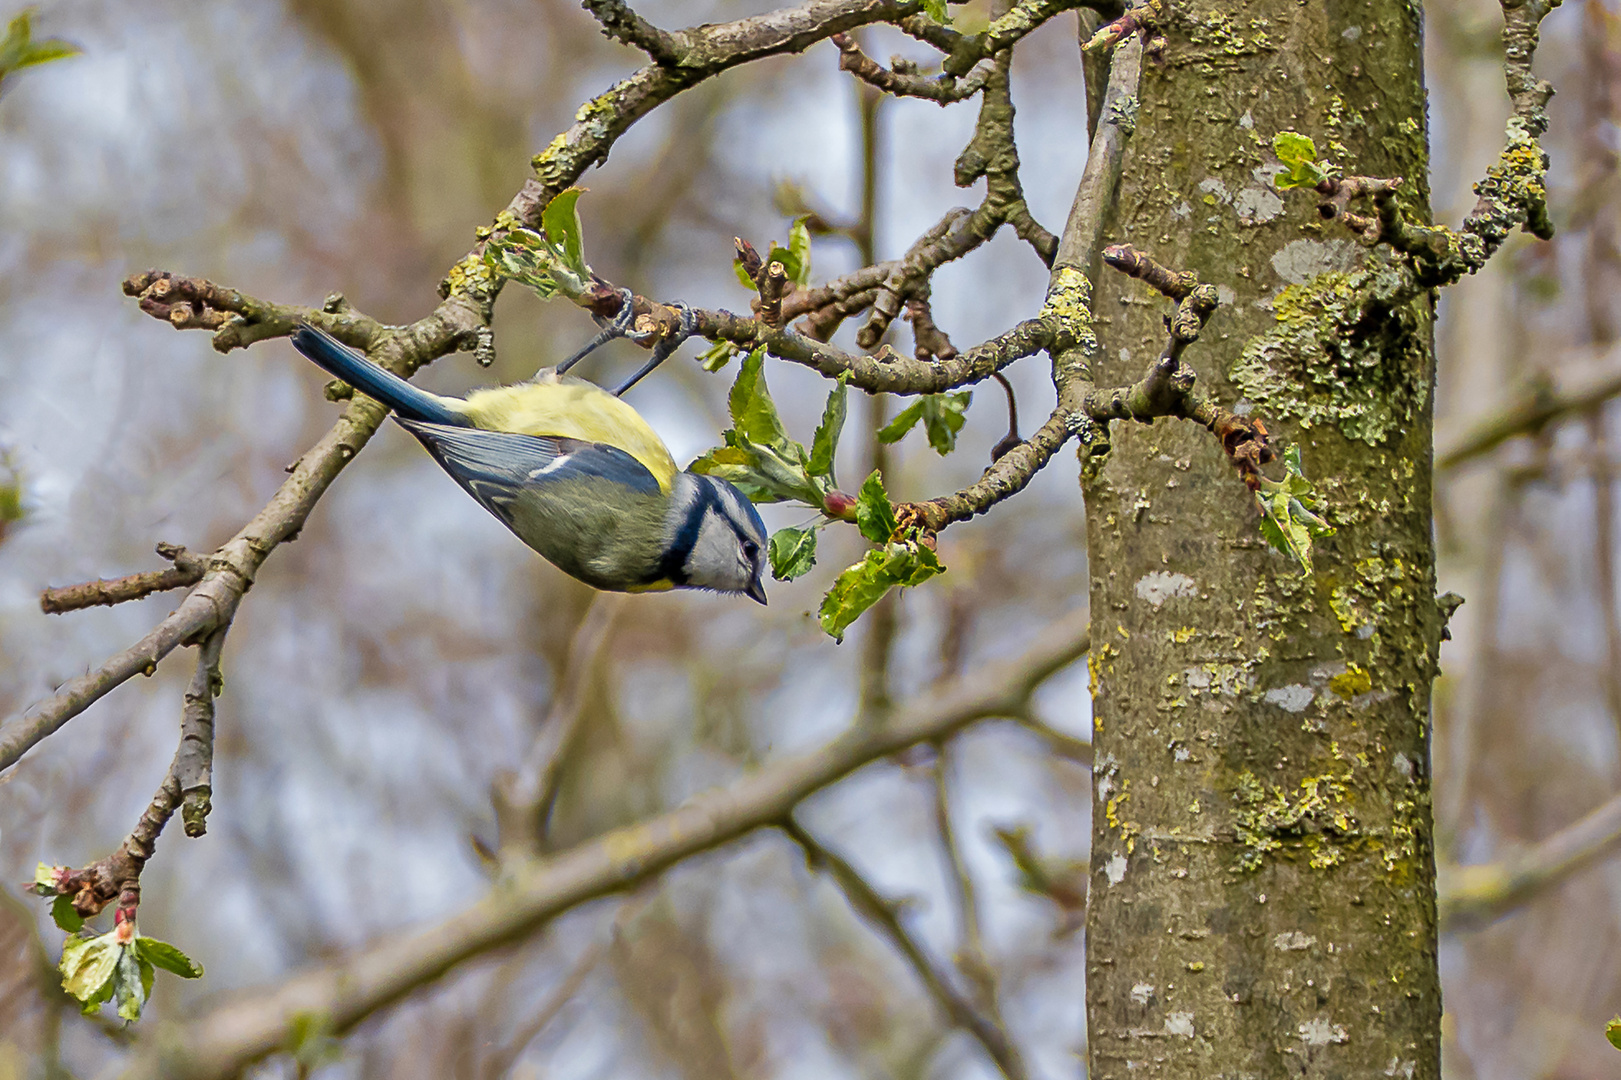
667,345
617,327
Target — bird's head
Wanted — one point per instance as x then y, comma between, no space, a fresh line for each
716,538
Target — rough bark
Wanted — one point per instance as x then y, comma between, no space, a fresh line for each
1263,891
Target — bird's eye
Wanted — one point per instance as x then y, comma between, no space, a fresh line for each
750,549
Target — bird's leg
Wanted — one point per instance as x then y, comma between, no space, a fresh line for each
618,328
666,346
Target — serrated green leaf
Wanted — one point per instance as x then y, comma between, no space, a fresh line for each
799,248
793,552
754,414
855,590
1612,1031
903,563
65,916
759,472
825,443
87,967
901,423
875,516
561,220
162,954
549,262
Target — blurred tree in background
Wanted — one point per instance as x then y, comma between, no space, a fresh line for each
469,819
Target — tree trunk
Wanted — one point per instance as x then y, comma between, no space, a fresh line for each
1263,884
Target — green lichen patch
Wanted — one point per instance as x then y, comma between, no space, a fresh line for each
1315,819
1341,355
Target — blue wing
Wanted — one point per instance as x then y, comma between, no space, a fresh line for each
495,465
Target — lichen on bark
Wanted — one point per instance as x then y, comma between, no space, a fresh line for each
1262,898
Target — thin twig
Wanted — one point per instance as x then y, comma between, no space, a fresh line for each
524,799
188,569
500,1062
194,760
971,958
883,917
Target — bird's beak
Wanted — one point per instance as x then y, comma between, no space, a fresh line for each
756,591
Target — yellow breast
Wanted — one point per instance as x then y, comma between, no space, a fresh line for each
571,408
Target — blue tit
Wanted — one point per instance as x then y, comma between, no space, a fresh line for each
577,475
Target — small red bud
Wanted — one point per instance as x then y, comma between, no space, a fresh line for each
836,504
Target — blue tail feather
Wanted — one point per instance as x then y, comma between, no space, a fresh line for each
344,363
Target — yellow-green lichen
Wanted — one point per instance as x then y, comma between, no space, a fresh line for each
1341,606
1341,356
1315,818
1351,682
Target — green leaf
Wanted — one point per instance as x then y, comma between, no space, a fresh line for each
789,261
548,261
762,473
799,249
162,954
87,967
44,883
65,916
1612,1031
875,517
19,50
825,443
793,552
1287,519
1293,148
754,414
743,275
1298,154
942,415
129,984
936,10
561,220
901,423
718,355
903,563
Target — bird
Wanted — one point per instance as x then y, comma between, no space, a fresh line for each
577,475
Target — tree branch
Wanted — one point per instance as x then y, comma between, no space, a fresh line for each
1555,395
1472,896
231,1036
